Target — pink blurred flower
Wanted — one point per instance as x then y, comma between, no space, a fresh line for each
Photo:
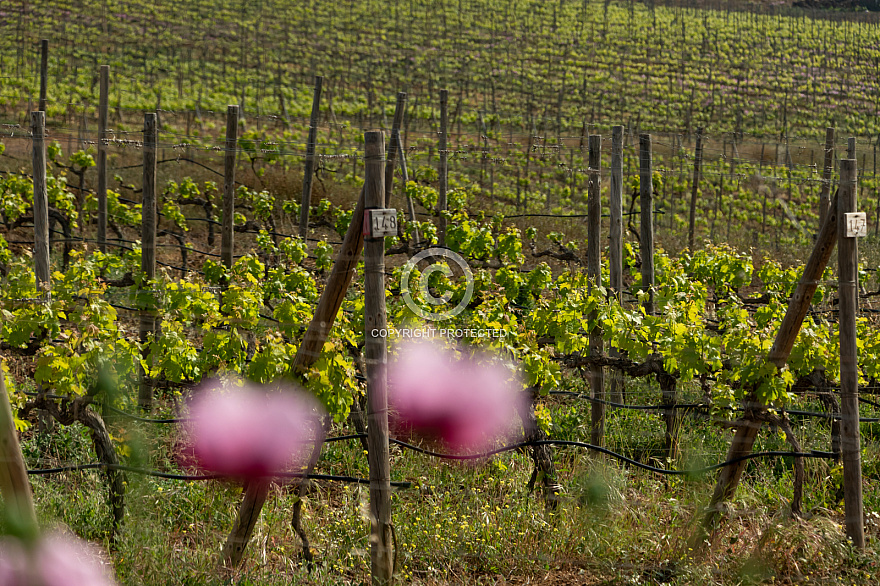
55,560
469,404
245,431
13,563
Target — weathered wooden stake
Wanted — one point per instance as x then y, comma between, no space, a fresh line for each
148,251
698,164
747,431
827,170
847,291
44,73
410,208
594,271
308,352
227,234
375,354
103,104
615,252
309,171
41,202
399,110
444,167
615,204
646,193
876,190
14,484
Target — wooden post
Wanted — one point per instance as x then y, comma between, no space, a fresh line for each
646,193
309,171
444,167
698,164
41,202
847,291
227,238
734,155
375,355
851,147
14,484
876,190
148,249
103,103
44,73
594,271
615,253
410,208
399,110
306,355
827,170
615,204
798,305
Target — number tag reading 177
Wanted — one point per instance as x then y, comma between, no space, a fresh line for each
380,223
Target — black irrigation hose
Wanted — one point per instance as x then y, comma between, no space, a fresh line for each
567,393
835,416
353,480
621,457
199,477
752,456
636,463
340,438
868,402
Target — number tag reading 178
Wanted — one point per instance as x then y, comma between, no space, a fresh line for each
379,223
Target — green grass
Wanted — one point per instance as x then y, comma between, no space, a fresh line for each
474,523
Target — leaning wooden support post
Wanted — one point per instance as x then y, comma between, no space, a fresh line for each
594,271
747,430
227,237
847,291
41,202
148,254
44,74
308,352
698,167
646,201
399,110
375,355
444,168
103,104
309,170
14,484
410,207
827,170
615,239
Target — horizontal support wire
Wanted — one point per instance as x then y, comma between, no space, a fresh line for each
198,477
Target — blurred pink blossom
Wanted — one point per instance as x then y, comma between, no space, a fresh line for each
466,402
245,431
55,560
13,563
